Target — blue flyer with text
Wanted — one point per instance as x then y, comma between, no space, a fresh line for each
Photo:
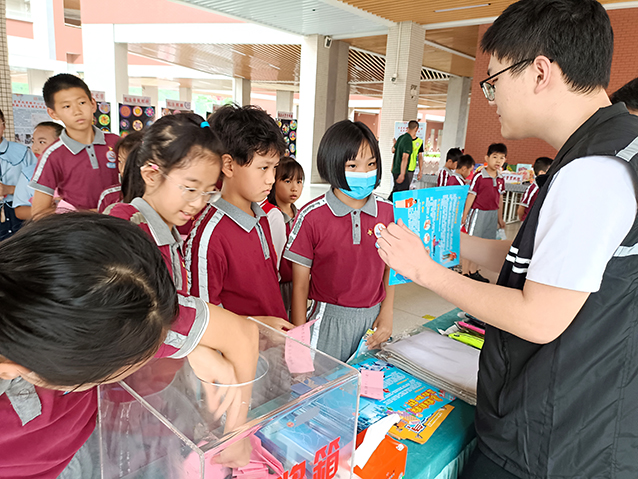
435,215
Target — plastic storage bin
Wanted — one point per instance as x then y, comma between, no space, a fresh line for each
164,422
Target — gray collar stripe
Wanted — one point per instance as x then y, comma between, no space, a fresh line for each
243,219
339,208
76,147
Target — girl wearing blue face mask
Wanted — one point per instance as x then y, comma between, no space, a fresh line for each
332,247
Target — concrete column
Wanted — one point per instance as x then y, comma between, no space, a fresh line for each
456,114
153,92
6,100
323,96
106,68
241,91
401,87
185,94
36,80
285,100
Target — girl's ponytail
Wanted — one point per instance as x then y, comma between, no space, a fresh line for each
132,182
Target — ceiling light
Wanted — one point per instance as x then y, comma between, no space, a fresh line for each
462,8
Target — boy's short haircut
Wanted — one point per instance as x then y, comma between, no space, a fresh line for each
542,164
341,143
128,142
453,154
628,94
575,34
465,161
56,127
247,131
62,81
497,148
413,125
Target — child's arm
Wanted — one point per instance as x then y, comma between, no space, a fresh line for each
41,205
23,212
300,289
6,190
501,222
520,211
383,323
468,206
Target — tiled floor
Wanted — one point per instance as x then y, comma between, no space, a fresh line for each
412,302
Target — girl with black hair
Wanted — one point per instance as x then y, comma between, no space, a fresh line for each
332,247
281,210
86,300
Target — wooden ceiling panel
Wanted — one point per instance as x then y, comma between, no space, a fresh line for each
427,12
462,39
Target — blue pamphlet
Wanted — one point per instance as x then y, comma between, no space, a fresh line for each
435,215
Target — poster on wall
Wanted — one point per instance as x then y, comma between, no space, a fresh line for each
173,107
28,111
288,127
136,114
102,116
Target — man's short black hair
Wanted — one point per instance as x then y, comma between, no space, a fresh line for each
497,148
413,125
341,143
247,131
542,164
465,161
62,81
627,94
576,34
453,154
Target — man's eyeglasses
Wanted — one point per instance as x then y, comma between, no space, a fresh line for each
192,194
489,89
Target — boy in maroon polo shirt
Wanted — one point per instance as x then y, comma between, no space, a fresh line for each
82,164
483,213
229,251
451,161
464,166
541,165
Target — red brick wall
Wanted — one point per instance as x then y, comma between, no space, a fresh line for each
483,125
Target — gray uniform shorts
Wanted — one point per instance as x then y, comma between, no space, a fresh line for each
481,223
338,329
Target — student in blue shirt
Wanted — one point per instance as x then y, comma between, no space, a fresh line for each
13,157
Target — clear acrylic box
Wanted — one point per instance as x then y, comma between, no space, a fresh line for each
162,421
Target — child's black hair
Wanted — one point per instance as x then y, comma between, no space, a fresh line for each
341,143
169,143
247,131
288,169
62,81
465,161
628,94
83,296
453,154
56,127
497,148
542,164
575,34
1,116
129,142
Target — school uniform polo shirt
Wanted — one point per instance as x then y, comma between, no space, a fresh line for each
455,180
444,176
529,198
488,191
337,243
109,196
23,192
232,261
79,172
42,429
192,321
13,157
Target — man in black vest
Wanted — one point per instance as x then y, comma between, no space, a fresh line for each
558,380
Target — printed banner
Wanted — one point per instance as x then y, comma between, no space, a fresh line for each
135,118
28,111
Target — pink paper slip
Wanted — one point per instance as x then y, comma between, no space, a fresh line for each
299,358
372,384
